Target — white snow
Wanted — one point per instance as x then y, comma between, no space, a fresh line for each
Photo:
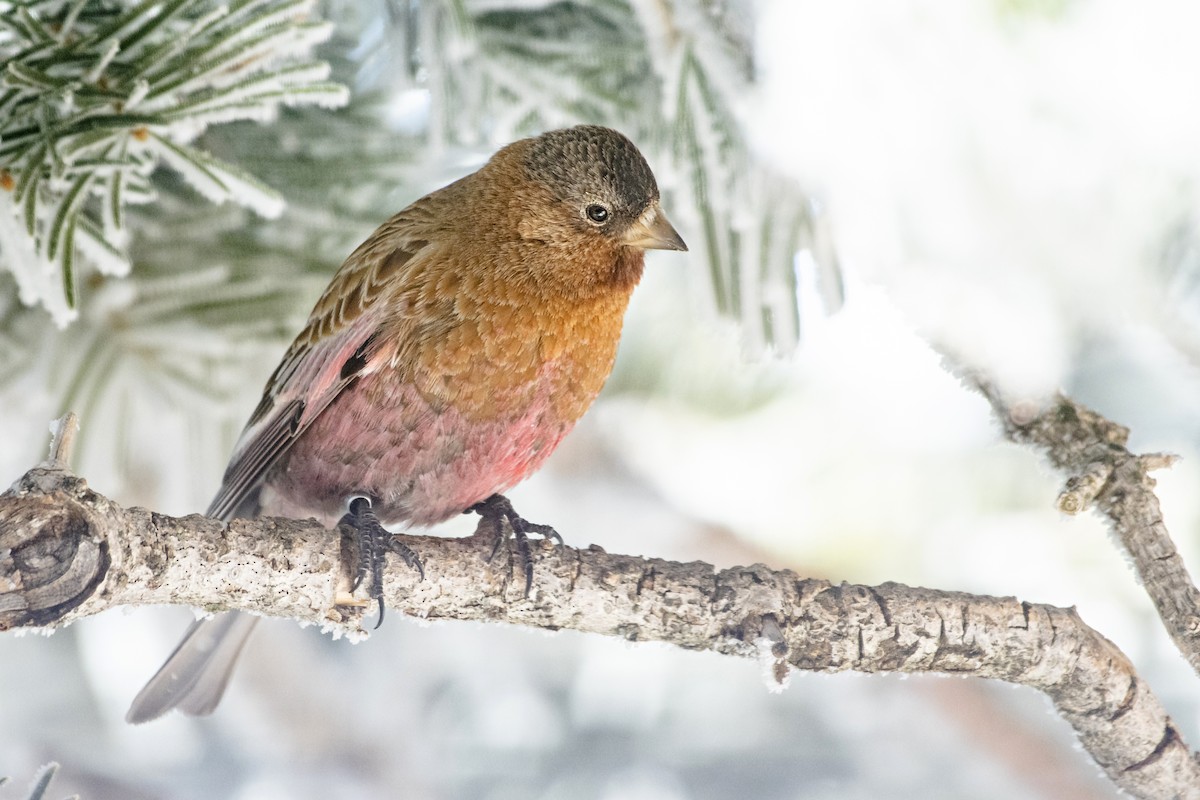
1010,176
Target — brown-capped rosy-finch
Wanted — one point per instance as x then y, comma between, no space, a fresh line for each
448,357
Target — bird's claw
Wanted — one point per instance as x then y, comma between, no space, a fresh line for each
409,555
374,541
506,523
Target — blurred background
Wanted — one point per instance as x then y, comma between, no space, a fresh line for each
1011,181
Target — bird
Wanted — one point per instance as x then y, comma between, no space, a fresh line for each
450,354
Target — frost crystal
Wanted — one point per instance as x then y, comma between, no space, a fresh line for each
776,671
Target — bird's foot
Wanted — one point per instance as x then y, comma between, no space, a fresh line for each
374,541
506,523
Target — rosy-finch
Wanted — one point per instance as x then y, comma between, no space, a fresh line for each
449,356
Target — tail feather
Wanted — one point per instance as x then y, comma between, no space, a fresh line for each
195,675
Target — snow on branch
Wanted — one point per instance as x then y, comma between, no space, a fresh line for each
67,552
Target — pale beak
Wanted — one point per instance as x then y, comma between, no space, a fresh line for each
653,231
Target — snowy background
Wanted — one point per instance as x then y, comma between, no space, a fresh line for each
1014,180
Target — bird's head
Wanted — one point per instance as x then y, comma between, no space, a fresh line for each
600,186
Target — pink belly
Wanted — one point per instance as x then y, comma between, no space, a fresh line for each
420,464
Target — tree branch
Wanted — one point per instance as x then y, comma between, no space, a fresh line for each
67,552
1103,472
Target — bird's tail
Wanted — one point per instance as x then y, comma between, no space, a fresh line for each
195,676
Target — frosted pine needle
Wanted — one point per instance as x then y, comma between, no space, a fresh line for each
95,95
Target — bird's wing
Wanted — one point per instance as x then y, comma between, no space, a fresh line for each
334,349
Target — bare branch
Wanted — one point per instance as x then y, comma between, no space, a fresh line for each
66,552
1102,472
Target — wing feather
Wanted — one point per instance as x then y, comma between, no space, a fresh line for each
335,348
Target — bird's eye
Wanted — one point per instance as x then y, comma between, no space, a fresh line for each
597,213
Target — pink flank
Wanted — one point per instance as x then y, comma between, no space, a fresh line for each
420,463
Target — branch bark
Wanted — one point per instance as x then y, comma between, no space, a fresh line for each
67,552
1102,472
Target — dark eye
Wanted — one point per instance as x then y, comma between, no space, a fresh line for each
597,213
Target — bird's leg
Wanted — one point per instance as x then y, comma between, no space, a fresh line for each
500,514
374,541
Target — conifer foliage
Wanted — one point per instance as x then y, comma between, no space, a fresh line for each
121,120
94,95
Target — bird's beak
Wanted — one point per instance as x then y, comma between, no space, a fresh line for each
653,231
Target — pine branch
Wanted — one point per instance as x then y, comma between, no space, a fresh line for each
752,222
66,552
94,95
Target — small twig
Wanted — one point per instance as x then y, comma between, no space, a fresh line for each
1156,461
62,445
1082,489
